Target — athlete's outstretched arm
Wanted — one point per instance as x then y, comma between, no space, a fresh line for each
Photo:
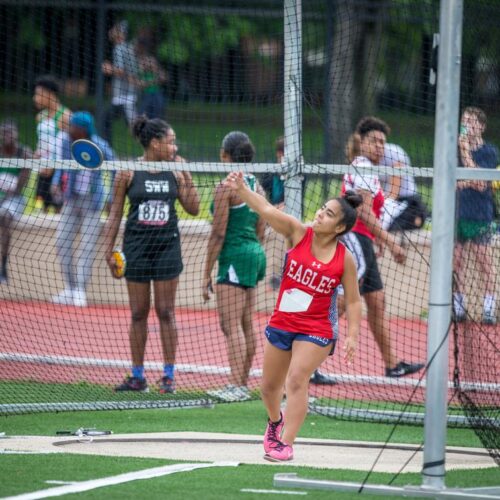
115,215
352,301
281,222
260,227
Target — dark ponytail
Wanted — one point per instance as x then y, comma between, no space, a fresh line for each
145,130
239,147
349,201
48,82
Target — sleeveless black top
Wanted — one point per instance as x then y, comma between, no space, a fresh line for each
152,204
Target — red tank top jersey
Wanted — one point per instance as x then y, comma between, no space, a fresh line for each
369,182
307,300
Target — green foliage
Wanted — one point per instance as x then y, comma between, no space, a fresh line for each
186,37
30,35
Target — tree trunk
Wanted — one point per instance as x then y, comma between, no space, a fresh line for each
352,71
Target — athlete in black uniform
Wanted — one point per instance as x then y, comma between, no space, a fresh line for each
151,245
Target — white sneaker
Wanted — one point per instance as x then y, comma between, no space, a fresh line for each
244,391
79,298
231,393
459,311
489,308
65,298
489,317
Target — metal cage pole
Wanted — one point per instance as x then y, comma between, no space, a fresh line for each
445,172
99,90
293,106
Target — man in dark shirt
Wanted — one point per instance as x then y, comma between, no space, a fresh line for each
475,214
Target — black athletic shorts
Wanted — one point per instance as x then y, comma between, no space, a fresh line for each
370,280
43,192
152,257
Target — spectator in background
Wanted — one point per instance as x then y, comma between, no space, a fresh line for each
124,72
476,213
52,124
12,183
236,243
273,184
150,79
151,244
403,206
84,197
365,149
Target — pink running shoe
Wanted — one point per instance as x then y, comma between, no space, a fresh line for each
281,452
273,433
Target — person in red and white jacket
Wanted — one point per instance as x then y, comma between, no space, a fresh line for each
365,149
303,328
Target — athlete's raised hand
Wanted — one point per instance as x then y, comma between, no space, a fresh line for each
290,227
235,180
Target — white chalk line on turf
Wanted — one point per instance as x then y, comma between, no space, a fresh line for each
21,452
119,479
55,481
273,492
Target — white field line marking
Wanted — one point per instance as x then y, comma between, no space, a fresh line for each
276,492
120,478
55,481
19,452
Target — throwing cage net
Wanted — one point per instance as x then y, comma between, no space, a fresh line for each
69,332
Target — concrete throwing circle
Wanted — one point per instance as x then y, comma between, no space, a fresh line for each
214,447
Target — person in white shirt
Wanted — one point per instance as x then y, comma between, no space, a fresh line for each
124,77
403,207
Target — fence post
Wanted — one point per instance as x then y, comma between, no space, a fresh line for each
293,106
99,90
443,208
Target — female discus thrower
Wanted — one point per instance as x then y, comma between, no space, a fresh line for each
303,328
151,245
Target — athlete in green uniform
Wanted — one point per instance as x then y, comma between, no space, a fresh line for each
237,233
242,260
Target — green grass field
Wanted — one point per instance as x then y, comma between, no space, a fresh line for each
24,473
246,418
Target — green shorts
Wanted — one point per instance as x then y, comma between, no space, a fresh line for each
475,231
242,269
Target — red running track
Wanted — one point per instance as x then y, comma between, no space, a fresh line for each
101,332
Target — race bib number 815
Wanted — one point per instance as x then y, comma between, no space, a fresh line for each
153,213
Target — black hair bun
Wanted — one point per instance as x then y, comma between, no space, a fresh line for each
354,199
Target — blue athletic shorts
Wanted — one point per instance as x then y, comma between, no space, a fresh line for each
284,340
